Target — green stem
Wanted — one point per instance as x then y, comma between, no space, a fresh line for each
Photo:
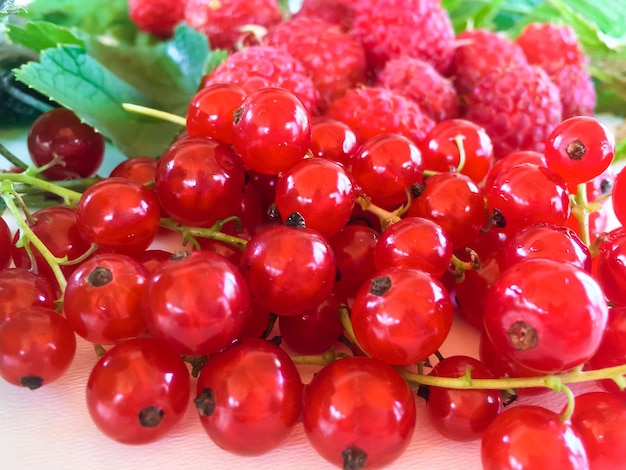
462,156
69,196
548,381
581,212
27,233
11,158
318,359
569,409
460,266
155,113
211,232
344,315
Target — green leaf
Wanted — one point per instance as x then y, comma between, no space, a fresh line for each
77,81
95,16
620,151
40,35
216,57
168,73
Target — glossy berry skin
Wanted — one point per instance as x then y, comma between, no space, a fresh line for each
525,194
138,391
611,266
37,346
579,149
288,270
249,397
414,242
454,202
401,315
333,140
547,241
441,150
612,349
619,196
353,248
211,111
320,190
512,159
547,315
462,415
157,17
139,169
6,244
272,130
102,300
20,288
197,304
57,228
78,146
600,420
313,332
531,437
357,406
385,167
199,181
127,223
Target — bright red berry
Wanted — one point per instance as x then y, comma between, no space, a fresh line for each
158,17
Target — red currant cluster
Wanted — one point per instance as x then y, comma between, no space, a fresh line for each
362,252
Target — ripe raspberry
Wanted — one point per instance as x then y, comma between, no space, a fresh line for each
551,46
371,111
334,59
264,66
517,106
157,17
336,12
478,52
222,20
419,81
396,28
555,48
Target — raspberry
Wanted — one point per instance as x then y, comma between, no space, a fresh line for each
222,21
517,106
336,12
551,46
371,111
264,66
396,28
157,17
334,59
480,51
419,81
555,48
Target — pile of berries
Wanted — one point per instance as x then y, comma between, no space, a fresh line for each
345,185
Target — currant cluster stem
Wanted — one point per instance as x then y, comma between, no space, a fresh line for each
189,233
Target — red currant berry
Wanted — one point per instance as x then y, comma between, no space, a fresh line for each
37,346
102,300
531,437
249,397
402,315
579,149
127,223
20,288
385,167
600,420
611,266
547,315
414,242
289,270
139,169
524,194
512,159
59,135
211,112
358,411
6,244
619,196
333,140
441,148
272,130
138,391
199,181
462,415
322,191
198,304
453,201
